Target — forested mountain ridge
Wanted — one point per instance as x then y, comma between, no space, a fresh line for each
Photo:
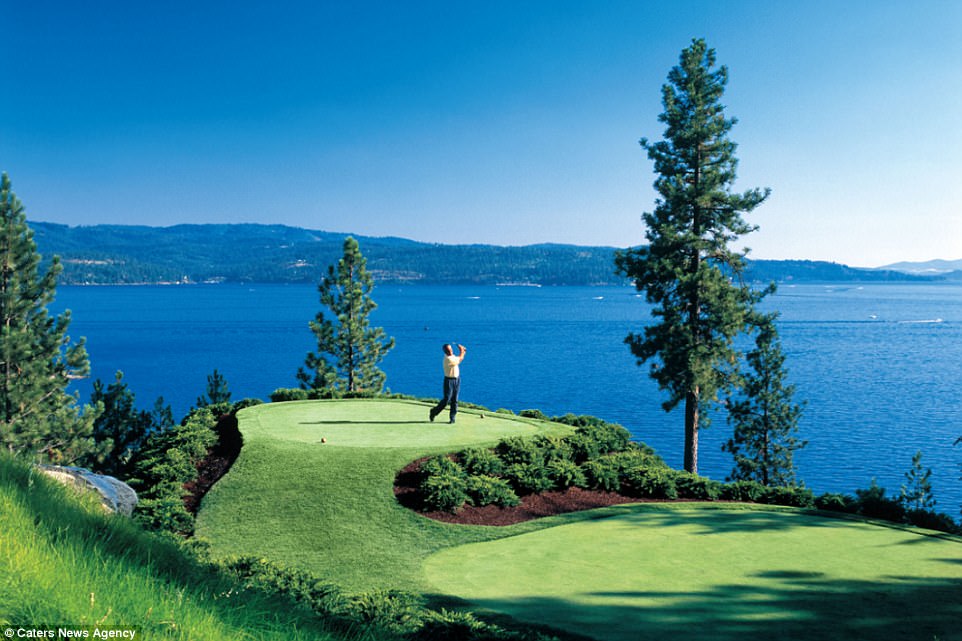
128,254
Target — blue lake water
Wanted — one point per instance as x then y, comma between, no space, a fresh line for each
878,364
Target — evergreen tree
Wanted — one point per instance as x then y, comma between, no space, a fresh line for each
37,358
167,461
916,492
348,348
765,418
688,271
217,391
121,428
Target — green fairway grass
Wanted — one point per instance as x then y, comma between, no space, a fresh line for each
700,572
330,508
648,571
379,424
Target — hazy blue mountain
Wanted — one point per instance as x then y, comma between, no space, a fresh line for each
127,254
931,267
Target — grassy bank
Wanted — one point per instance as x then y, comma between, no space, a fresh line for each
63,562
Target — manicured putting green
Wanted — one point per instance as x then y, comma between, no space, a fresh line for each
379,424
681,571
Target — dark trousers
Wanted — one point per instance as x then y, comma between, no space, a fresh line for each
451,388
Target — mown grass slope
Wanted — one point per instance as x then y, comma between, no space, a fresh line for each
330,507
63,562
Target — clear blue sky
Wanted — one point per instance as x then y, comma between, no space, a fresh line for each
490,122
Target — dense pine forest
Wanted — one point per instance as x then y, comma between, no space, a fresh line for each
122,254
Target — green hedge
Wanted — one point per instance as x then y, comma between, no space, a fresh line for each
388,614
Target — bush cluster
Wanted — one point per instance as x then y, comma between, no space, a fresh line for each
594,457
872,502
164,464
518,467
600,456
400,614
168,461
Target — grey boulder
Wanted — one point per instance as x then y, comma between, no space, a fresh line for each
116,496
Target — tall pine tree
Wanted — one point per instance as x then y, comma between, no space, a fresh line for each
348,348
37,358
218,393
765,417
688,271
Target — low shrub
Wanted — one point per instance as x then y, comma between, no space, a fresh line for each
692,486
400,615
635,457
932,520
538,414
553,448
649,482
602,474
490,490
446,624
284,394
221,408
517,450
444,493
469,406
441,465
836,502
527,478
789,496
245,403
575,420
872,502
479,460
609,437
745,491
583,448
392,610
503,410
564,474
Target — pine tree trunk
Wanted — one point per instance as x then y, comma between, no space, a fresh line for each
691,431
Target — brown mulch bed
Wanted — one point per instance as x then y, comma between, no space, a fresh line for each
533,506
217,462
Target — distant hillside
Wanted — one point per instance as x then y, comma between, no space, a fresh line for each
122,254
812,270
931,267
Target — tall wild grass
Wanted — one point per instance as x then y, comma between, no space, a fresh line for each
64,562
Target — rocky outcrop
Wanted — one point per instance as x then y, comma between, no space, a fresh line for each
115,495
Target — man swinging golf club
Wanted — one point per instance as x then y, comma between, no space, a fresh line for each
452,381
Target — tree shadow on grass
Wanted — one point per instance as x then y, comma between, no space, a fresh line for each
789,606
726,517
723,518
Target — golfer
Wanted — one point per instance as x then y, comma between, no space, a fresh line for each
452,381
